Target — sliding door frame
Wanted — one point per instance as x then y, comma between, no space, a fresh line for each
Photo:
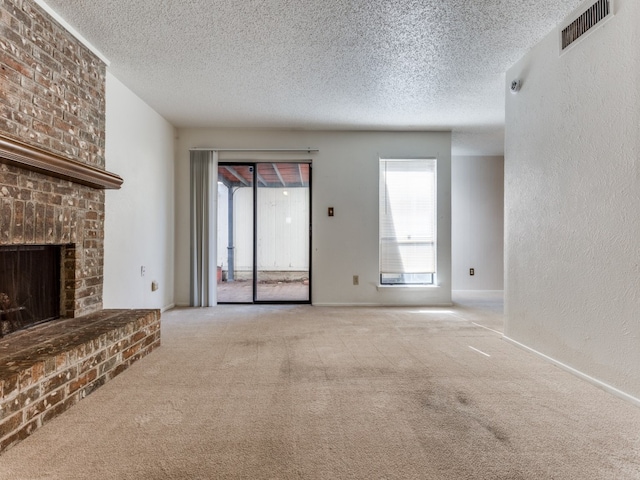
256,301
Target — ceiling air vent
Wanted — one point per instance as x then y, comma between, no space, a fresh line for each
583,22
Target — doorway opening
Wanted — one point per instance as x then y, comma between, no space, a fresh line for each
264,232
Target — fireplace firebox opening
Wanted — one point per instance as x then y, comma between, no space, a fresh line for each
30,285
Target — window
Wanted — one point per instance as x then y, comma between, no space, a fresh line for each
407,221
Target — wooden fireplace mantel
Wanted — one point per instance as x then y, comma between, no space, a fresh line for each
39,160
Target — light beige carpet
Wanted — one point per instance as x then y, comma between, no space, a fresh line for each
288,392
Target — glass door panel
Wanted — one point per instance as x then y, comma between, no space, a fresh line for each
235,233
282,232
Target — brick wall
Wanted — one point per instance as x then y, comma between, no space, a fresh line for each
52,95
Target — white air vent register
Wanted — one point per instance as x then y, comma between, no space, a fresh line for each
584,22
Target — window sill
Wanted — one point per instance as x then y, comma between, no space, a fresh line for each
408,287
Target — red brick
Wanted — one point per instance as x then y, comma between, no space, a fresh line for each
6,213
59,408
19,435
29,223
137,336
31,375
10,424
33,405
129,352
9,386
35,409
53,398
9,407
119,369
151,339
7,178
108,365
50,366
13,38
8,127
19,15
82,381
56,381
46,129
28,108
61,360
117,347
16,64
92,362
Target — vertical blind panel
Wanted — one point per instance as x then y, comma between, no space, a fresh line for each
399,258
408,216
203,207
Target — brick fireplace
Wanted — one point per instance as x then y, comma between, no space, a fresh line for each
52,182
52,99
46,207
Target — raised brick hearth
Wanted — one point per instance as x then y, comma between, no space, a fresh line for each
47,369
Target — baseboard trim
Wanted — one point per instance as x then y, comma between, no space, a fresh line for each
168,307
385,305
598,383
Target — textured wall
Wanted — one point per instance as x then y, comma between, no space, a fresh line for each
477,219
572,177
52,96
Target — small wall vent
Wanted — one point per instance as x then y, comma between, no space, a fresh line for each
583,22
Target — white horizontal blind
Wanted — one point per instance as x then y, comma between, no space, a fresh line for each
407,217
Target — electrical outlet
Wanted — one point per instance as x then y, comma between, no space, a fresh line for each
472,271
356,280
143,270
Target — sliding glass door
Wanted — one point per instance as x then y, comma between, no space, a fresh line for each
264,232
282,237
235,233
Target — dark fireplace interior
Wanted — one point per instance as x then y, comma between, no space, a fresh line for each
29,286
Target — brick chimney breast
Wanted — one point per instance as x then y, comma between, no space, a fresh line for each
52,96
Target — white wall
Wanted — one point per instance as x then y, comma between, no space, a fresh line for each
345,176
139,224
477,219
283,229
572,185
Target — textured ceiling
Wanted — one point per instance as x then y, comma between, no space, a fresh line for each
320,64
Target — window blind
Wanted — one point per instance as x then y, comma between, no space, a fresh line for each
407,220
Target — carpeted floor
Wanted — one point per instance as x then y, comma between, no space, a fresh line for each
288,392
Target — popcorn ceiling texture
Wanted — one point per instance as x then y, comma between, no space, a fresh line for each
416,64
